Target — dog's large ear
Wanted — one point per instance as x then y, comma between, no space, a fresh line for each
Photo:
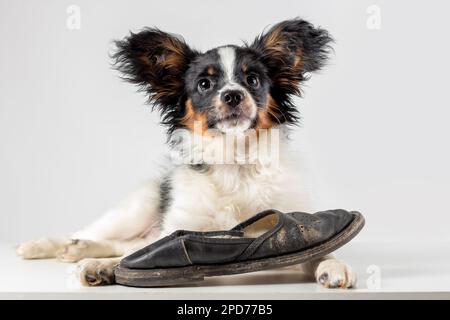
290,49
156,61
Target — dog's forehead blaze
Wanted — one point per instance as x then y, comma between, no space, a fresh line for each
194,120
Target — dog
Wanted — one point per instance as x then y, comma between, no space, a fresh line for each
229,91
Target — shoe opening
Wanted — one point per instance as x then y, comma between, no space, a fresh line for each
261,226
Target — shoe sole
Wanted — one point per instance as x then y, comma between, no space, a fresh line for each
196,273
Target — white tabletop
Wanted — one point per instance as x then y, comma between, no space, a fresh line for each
385,271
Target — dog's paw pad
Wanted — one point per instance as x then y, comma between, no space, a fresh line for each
95,272
335,274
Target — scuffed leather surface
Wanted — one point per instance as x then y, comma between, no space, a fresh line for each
298,231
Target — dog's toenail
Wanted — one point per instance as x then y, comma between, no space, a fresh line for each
91,279
337,283
323,277
107,277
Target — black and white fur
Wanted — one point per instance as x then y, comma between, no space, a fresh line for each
226,90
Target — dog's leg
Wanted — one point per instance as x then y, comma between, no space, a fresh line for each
69,250
136,216
77,249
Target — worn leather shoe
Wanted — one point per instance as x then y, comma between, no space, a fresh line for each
269,239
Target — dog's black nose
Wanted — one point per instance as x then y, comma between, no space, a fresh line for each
232,97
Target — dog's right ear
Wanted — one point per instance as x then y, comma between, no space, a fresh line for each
290,49
156,61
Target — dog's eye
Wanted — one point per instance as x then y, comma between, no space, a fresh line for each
204,85
252,80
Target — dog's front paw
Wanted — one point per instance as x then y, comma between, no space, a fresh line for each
96,272
43,248
75,250
332,273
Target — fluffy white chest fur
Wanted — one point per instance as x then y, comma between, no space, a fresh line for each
216,198
223,195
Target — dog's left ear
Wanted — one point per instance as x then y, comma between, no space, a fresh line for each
156,61
290,49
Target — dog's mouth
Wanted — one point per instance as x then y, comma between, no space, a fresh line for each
235,116
234,123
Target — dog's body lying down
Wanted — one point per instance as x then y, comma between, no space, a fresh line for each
230,93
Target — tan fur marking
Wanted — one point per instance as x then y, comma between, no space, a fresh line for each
298,61
211,71
174,56
264,120
274,39
276,46
145,59
191,116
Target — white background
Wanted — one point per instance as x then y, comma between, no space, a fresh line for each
74,139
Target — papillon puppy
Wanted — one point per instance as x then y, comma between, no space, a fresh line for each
221,108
